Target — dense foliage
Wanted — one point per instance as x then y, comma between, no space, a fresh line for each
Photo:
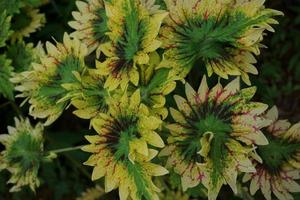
149,99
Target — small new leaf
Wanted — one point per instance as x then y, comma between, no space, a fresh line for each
159,78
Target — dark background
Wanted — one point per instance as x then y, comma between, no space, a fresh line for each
278,84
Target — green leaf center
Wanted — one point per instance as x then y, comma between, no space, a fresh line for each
276,153
134,30
100,25
212,38
20,21
121,131
212,124
54,91
25,151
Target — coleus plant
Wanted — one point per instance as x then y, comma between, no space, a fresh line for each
143,51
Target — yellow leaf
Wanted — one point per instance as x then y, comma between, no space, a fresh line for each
98,172
155,170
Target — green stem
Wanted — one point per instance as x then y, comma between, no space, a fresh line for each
66,149
77,164
72,160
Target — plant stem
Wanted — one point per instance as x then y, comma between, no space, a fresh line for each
74,162
66,149
77,164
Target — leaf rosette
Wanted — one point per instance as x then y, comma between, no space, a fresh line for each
214,133
47,84
221,35
124,147
277,168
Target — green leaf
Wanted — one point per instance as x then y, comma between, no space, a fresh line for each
198,191
141,183
25,151
4,28
122,148
159,78
6,87
174,179
211,38
33,3
218,154
11,6
21,55
53,90
134,28
162,4
276,153
100,25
